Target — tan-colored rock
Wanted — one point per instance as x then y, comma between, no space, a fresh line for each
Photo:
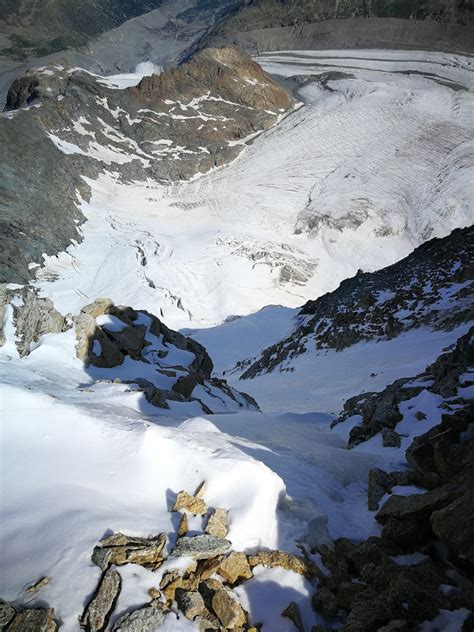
206,568
234,567
227,610
200,490
154,593
190,603
183,525
217,524
98,308
288,561
193,504
38,585
292,612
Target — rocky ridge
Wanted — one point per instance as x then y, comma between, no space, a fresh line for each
423,561
432,287
169,127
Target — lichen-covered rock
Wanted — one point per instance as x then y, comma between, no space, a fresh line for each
235,566
7,613
100,607
201,547
34,620
190,603
217,523
145,619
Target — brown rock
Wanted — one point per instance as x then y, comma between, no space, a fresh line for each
98,308
217,523
228,611
183,525
206,568
234,567
38,585
193,504
288,561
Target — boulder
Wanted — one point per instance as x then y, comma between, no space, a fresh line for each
201,547
234,567
100,607
227,610
145,619
217,523
454,526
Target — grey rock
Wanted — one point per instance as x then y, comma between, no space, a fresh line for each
145,619
100,607
33,317
7,613
34,620
190,602
201,547
390,438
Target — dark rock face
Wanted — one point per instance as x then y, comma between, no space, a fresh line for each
170,127
381,305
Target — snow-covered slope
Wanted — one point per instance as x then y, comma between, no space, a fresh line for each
378,160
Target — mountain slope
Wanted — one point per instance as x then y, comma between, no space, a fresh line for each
372,165
432,287
265,25
163,129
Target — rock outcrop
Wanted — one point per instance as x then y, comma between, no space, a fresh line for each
32,317
134,346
